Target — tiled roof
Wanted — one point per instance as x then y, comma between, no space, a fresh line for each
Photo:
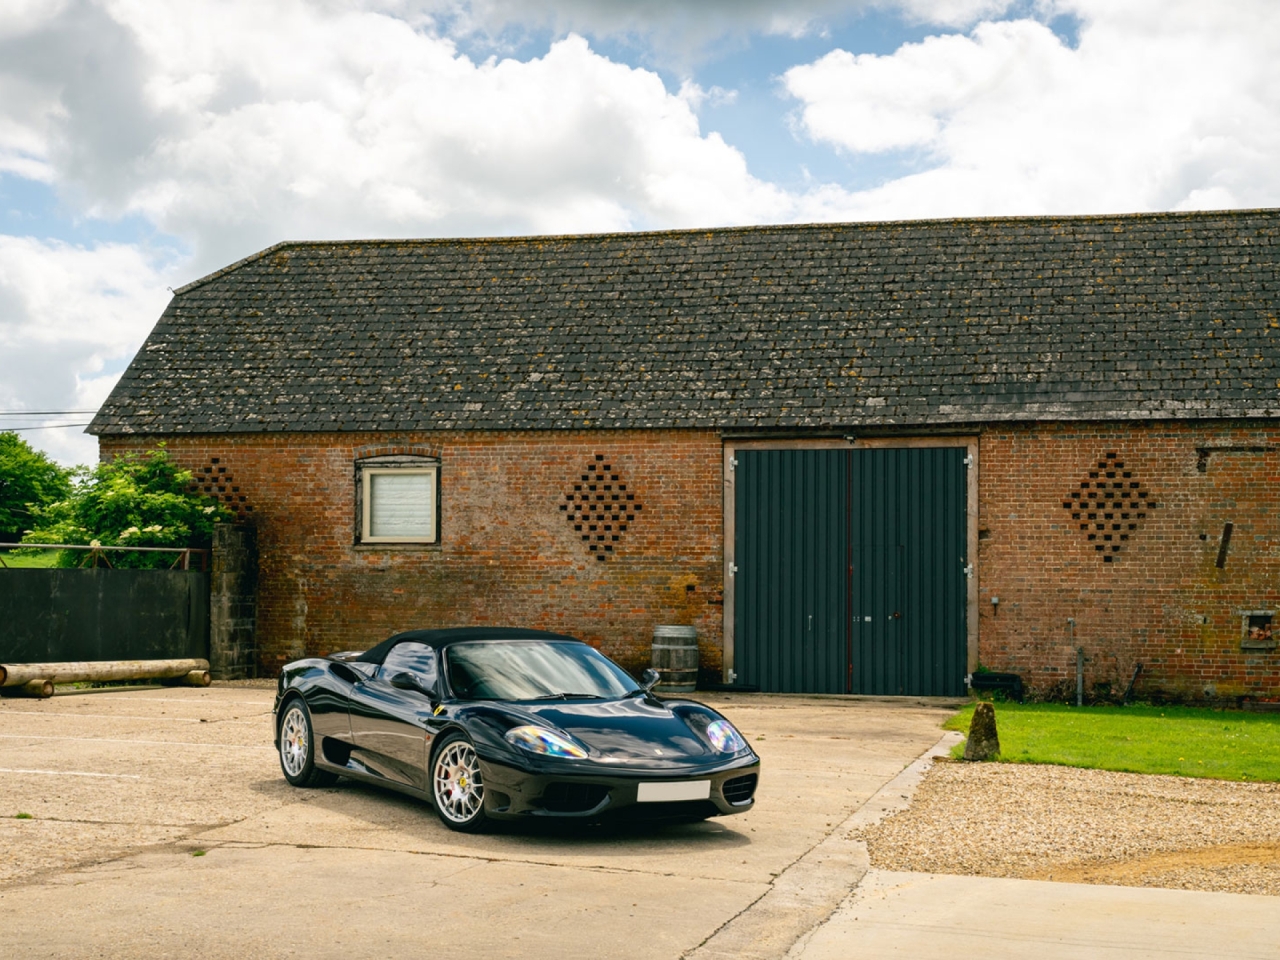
946,321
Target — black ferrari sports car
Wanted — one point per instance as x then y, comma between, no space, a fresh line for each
493,724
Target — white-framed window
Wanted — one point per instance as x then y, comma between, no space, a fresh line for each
398,500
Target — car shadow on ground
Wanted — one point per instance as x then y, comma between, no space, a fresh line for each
388,810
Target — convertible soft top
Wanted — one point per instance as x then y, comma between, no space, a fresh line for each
443,638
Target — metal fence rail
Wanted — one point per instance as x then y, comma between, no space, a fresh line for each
96,553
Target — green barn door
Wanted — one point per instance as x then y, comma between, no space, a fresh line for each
791,593
850,570
909,590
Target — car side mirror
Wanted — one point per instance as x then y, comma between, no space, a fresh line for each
649,679
407,681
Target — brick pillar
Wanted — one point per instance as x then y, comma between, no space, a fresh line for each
233,603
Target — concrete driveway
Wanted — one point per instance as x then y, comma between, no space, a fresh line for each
925,916
160,826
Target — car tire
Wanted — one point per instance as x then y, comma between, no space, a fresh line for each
297,748
456,784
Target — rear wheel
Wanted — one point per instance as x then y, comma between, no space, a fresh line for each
297,749
457,786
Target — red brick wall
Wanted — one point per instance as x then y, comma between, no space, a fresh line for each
1162,602
508,554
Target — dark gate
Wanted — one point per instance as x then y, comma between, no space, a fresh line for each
850,570
56,616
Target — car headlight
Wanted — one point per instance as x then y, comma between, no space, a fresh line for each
545,742
724,738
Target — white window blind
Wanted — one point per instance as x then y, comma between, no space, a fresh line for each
402,504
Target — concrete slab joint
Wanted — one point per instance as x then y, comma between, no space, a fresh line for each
804,895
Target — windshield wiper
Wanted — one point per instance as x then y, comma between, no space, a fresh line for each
569,696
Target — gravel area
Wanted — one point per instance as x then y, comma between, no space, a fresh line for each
1087,826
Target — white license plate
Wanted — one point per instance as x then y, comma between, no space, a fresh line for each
667,792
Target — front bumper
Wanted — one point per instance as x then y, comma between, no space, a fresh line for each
512,794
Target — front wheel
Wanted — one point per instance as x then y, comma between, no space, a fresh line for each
456,784
297,749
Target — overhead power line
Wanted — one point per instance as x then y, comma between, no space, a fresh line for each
47,426
44,413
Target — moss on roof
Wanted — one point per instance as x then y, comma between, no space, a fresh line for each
946,321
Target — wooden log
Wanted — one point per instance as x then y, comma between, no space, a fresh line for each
32,688
17,674
193,678
38,688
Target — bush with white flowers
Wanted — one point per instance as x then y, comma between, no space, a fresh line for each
134,501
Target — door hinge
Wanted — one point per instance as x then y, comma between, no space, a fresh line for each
968,571
733,569
968,460
733,463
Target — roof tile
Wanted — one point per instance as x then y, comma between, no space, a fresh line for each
1124,317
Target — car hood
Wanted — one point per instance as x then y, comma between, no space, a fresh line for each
631,730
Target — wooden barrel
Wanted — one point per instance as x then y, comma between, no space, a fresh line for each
675,657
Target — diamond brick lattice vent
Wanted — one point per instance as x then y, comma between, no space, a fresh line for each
600,507
214,481
1109,506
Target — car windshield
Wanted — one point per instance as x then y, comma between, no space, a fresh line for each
533,670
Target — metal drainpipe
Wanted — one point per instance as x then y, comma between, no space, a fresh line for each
1071,637
1079,676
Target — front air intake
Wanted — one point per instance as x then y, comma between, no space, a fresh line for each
573,797
739,789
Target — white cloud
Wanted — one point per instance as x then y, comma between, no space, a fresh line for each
870,103
70,319
678,29
951,13
1162,105
695,95
28,107
239,124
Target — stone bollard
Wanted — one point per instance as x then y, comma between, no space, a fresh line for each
983,742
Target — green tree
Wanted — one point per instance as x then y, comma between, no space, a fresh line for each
27,477
131,501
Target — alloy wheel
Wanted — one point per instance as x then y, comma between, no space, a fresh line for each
293,741
458,787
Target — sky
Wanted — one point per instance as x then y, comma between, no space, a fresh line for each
145,143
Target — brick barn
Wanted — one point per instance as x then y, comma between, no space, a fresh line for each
864,458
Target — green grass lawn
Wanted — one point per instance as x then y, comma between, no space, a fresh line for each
1185,741
28,558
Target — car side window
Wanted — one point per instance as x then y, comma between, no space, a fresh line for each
418,659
